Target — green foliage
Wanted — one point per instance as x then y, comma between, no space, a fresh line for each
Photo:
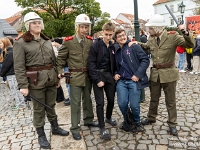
100,22
197,9
60,14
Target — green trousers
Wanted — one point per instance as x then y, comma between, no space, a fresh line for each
48,96
76,94
170,99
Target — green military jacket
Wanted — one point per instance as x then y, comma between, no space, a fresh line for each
28,52
165,53
76,57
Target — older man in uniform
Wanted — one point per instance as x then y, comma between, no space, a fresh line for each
34,58
164,73
75,50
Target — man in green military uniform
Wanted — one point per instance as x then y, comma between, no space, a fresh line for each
75,50
164,73
34,58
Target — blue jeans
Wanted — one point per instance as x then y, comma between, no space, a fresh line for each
181,61
66,69
127,92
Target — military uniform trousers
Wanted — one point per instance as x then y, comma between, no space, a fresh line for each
170,100
76,93
46,95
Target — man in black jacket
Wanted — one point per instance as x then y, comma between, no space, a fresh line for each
101,65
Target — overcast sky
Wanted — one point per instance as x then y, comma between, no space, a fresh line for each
113,7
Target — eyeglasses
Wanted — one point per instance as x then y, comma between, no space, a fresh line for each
121,36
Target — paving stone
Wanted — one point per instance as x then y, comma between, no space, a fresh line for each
161,147
142,146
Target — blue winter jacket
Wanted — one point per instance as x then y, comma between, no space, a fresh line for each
137,60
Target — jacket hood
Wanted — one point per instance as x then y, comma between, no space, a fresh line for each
28,37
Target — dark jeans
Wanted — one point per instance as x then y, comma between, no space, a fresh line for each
109,89
189,57
60,94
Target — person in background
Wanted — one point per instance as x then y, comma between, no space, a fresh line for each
75,50
8,71
189,58
164,74
2,55
36,74
181,51
196,57
57,43
131,77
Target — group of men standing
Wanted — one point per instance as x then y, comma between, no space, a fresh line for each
101,64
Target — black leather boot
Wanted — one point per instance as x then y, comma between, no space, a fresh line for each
42,139
56,130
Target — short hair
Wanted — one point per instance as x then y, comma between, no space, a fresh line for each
10,38
108,26
118,31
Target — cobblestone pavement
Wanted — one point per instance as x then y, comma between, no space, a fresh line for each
18,133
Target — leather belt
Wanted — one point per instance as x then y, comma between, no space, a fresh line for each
39,68
78,70
163,66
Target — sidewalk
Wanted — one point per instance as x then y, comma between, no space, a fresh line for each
18,133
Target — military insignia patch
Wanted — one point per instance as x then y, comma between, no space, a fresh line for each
68,38
89,37
171,32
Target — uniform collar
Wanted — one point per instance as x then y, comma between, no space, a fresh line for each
79,39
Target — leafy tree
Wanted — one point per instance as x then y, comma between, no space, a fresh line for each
59,15
99,22
197,10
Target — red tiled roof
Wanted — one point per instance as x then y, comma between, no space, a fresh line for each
128,16
120,21
161,1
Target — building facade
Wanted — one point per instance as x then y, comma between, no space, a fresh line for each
159,8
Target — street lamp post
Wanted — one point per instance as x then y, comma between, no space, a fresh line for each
136,22
182,10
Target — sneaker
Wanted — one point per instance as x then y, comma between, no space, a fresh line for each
3,82
182,71
139,127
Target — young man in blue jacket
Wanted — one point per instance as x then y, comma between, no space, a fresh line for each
131,77
101,66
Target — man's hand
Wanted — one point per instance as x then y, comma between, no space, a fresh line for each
182,27
117,77
58,84
100,84
24,92
59,76
131,43
135,79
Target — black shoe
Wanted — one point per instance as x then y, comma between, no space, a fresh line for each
139,127
173,131
104,134
147,122
67,102
76,136
56,130
59,100
42,139
92,124
111,122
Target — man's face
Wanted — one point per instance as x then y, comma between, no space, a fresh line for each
107,36
83,30
151,31
121,38
35,27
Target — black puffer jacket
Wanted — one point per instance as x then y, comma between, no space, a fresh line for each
7,66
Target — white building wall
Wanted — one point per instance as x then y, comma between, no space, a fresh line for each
124,19
161,9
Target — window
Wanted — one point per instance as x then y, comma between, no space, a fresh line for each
172,8
179,9
172,22
179,19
